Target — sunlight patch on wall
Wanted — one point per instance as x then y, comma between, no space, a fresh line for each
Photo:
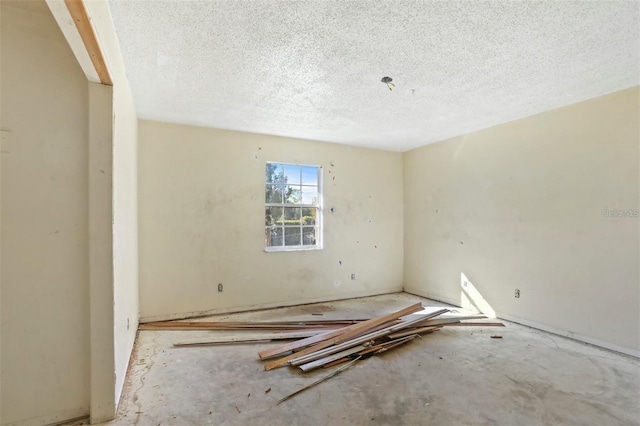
470,298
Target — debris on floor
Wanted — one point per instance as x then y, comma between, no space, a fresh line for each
251,325
356,342
327,343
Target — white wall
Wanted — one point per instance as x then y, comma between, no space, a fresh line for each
125,197
202,222
520,206
45,309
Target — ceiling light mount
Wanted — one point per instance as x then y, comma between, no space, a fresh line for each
388,82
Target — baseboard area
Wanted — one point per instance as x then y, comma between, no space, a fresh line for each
62,418
258,307
570,335
433,297
74,420
538,326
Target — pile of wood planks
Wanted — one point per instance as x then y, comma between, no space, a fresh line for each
357,341
326,343
365,338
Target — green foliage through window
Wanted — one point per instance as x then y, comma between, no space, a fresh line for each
292,205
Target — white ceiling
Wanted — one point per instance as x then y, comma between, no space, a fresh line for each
312,69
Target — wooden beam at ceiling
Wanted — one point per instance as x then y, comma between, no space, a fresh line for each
81,18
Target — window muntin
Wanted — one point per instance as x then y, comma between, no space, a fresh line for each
292,207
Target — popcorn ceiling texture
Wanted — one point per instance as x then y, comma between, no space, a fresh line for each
312,69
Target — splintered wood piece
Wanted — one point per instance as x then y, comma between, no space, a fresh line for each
351,330
374,350
336,362
361,350
397,343
321,345
335,373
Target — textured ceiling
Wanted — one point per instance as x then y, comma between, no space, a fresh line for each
312,69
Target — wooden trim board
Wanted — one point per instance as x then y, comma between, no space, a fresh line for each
248,338
81,18
317,353
346,332
321,345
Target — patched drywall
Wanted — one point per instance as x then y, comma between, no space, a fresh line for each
202,222
45,265
547,205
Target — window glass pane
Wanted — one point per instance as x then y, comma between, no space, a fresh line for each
273,193
274,173
292,236
309,216
273,216
292,194
292,216
308,236
291,174
309,195
273,236
309,175
287,186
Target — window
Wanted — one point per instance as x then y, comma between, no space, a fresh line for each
292,207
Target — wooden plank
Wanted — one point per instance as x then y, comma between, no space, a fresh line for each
320,362
349,330
256,323
324,344
436,321
394,343
298,358
338,371
223,325
83,23
336,362
247,338
361,350
420,330
216,328
344,356
476,324
234,342
373,349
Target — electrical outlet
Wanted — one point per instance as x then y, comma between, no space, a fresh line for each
220,288
127,324
517,293
464,284
353,276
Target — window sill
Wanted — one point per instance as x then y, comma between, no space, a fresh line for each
289,249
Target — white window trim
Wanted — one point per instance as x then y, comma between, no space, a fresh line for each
320,220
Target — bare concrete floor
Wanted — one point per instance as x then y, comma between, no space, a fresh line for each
456,376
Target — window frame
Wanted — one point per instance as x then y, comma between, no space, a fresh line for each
319,216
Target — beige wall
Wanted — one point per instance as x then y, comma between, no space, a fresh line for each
520,206
124,320
45,268
201,216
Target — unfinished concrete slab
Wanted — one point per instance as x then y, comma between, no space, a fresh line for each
458,375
